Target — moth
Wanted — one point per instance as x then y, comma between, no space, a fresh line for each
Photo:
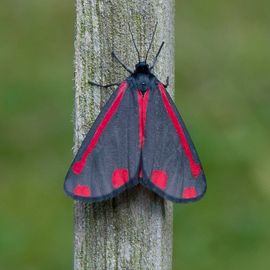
139,137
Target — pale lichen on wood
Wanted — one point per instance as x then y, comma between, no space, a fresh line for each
134,230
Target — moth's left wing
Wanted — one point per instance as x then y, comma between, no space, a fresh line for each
108,160
171,166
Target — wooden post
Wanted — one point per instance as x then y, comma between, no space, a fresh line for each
134,230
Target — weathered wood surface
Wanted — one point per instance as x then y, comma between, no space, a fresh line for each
134,230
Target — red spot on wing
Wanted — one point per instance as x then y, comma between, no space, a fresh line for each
143,103
78,166
82,190
194,167
159,178
119,177
189,193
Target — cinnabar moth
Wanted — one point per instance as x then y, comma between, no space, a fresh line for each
139,137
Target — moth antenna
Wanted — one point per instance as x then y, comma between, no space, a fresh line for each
133,41
151,42
156,57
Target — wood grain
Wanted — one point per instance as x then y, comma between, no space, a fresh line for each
134,230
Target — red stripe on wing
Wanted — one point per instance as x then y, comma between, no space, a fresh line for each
143,103
194,167
78,166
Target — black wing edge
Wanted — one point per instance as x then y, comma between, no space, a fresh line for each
149,185
131,183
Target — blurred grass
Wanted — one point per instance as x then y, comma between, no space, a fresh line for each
222,90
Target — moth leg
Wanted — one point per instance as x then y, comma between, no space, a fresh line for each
104,85
167,82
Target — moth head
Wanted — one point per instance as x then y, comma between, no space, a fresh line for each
142,67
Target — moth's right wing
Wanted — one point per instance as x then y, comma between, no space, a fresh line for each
171,166
108,159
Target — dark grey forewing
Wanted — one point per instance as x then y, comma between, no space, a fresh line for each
166,167
115,155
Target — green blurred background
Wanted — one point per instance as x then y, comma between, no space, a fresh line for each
222,88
